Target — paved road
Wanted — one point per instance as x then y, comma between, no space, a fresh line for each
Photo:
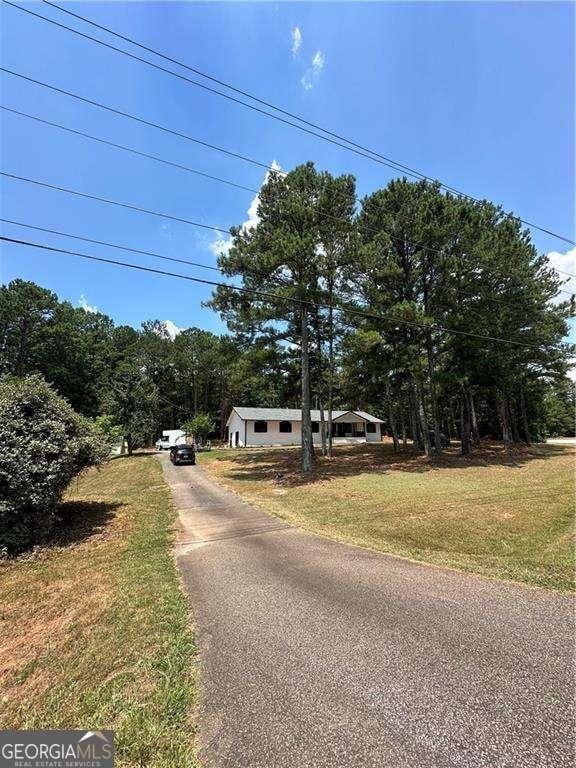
314,653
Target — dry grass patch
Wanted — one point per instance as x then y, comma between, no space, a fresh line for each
498,513
94,624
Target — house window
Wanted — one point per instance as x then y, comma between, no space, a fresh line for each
315,426
285,426
260,426
370,427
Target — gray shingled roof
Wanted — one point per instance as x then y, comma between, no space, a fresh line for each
294,414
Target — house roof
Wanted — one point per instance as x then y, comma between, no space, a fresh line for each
294,414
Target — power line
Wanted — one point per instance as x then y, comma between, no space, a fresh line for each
132,150
141,120
115,202
136,208
230,87
203,174
390,164
192,170
265,294
353,146
194,263
201,265
230,153
110,245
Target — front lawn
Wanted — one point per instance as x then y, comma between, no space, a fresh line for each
499,514
95,628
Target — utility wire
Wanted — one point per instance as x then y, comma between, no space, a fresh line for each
225,84
110,245
141,120
189,138
132,150
200,265
195,171
230,153
350,145
391,164
115,202
265,295
131,207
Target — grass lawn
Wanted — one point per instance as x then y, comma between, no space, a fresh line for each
94,626
497,514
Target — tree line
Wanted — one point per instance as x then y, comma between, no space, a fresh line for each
433,311
140,381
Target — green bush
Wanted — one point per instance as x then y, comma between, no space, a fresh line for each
199,426
44,443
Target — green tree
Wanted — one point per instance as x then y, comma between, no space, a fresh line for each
440,272
111,432
69,346
133,404
199,426
281,255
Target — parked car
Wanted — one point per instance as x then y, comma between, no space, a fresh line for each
182,454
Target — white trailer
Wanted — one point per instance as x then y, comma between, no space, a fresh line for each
170,437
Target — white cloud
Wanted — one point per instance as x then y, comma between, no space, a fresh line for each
296,41
312,74
222,245
85,306
565,262
171,329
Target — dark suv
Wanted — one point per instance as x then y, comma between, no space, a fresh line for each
182,454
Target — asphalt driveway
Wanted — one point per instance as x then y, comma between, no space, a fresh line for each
314,653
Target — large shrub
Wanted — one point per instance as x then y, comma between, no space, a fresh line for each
44,443
199,425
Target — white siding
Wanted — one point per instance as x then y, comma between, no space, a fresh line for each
273,436
236,425
241,433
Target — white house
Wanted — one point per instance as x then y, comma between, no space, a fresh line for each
252,427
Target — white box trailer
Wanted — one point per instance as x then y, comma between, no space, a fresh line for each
169,438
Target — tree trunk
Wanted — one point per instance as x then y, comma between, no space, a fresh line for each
465,426
403,433
129,444
433,399
513,419
307,445
413,412
452,420
422,420
392,417
330,373
319,388
502,408
323,430
473,420
524,417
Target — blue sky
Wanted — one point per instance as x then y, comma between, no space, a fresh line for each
480,95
